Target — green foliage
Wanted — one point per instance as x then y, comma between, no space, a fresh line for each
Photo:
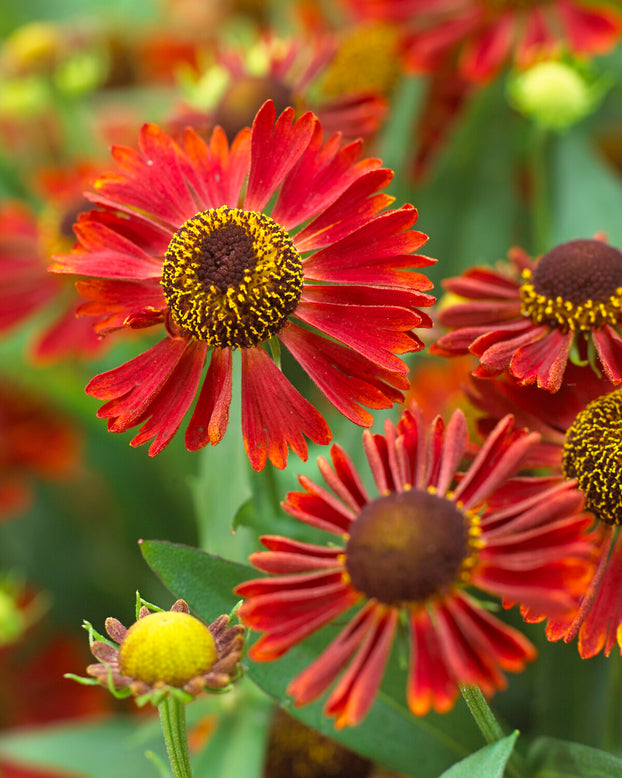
488,762
551,758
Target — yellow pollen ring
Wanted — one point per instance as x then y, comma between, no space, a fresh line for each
592,454
565,314
167,647
231,277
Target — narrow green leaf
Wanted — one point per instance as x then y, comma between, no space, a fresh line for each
552,758
391,735
488,762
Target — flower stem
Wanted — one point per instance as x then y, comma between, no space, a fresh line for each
489,726
173,720
480,710
541,205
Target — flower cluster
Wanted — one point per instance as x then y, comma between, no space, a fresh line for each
244,277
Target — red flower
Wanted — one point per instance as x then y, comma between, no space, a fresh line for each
293,72
580,428
571,298
178,245
412,551
34,443
27,241
484,36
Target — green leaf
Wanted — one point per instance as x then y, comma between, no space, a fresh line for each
488,762
204,580
113,747
391,735
552,758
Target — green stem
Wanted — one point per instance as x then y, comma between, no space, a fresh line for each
173,720
480,710
489,726
541,204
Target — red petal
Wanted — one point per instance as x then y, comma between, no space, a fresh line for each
356,691
211,415
274,414
275,148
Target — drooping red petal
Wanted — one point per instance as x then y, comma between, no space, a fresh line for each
496,349
211,414
609,349
345,376
316,678
544,361
160,383
274,414
172,402
356,691
430,684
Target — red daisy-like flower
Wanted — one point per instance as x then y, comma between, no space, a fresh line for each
27,241
35,442
278,238
484,35
291,72
410,553
532,317
581,439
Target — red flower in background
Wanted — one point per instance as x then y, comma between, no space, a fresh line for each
581,437
484,35
288,72
35,442
412,551
33,691
27,242
529,317
279,237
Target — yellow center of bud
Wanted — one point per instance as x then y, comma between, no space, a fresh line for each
168,647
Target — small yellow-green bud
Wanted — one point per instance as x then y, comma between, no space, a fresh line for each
554,94
12,621
169,647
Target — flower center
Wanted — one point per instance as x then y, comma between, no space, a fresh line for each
593,455
231,277
169,647
245,96
408,546
575,286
